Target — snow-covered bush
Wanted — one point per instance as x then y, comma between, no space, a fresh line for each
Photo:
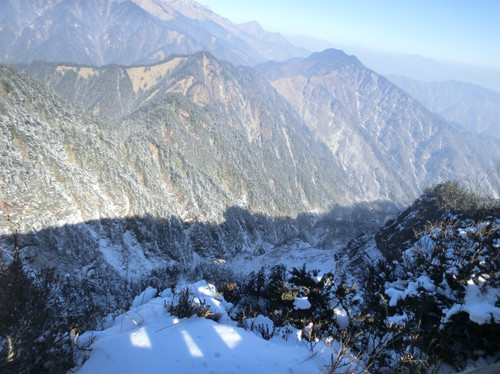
436,298
448,290
186,305
299,297
444,289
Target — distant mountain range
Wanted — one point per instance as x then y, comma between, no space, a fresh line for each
472,108
409,65
129,32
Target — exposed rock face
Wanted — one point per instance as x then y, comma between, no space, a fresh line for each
388,144
128,32
473,108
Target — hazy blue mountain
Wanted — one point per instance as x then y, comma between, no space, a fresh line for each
471,107
413,66
127,32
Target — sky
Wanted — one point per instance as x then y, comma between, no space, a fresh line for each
460,31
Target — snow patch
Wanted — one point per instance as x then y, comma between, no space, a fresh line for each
145,297
411,289
301,303
397,319
478,304
341,318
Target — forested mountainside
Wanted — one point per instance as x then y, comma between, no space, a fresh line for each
384,139
200,167
390,155
169,160
471,108
244,133
129,32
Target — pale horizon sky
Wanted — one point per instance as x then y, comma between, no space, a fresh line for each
460,31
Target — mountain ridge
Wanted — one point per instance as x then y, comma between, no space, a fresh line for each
195,129
472,108
353,109
341,113
131,31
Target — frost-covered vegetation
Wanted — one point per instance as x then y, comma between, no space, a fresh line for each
434,305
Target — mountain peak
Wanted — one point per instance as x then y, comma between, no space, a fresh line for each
332,59
252,27
317,64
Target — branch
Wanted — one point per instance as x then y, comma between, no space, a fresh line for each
3,249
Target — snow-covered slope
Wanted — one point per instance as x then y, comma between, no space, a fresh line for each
148,339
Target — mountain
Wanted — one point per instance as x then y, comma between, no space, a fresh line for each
129,32
121,178
145,200
427,69
201,158
387,142
473,108
413,66
177,183
227,96
333,93
212,137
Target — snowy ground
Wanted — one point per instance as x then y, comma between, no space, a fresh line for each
148,339
293,254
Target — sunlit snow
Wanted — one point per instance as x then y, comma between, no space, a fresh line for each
162,343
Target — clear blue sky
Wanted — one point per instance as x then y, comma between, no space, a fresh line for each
464,31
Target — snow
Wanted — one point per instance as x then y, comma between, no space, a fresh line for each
290,255
301,303
397,319
481,306
342,318
127,258
145,297
410,289
394,295
427,244
148,339
260,323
